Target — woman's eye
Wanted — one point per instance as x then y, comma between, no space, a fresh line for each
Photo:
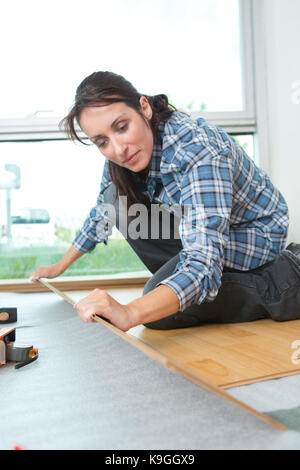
123,128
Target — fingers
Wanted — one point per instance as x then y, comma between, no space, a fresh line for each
35,276
98,302
45,271
85,313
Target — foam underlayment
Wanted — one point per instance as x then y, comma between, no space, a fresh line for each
91,390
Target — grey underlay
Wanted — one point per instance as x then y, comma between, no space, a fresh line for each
90,389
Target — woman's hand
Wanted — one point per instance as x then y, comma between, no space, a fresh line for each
48,272
59,268
99,302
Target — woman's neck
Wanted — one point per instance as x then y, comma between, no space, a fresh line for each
144,173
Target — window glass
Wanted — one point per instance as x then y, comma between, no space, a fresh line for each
59,184
246,141
189,50
53,185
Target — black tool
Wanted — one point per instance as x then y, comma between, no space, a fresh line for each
21,364
8,315
22,353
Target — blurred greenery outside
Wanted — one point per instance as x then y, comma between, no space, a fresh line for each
116,257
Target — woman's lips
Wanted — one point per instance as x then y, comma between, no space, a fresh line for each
133,158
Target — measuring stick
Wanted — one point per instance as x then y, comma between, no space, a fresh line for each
56,291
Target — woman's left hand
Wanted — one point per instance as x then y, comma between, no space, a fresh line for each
99,302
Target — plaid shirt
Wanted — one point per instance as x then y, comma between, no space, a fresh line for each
236,217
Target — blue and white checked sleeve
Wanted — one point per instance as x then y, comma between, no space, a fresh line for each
206,198
97,227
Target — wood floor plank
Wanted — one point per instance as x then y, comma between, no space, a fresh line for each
226,355
171,363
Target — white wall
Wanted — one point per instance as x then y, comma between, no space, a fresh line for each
277,59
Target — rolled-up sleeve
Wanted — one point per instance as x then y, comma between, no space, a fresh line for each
206,202
98,225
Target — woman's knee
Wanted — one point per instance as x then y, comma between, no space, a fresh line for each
161,274
150,285
166,323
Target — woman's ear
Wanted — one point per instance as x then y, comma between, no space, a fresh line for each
145,107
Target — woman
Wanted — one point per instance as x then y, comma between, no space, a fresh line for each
224,258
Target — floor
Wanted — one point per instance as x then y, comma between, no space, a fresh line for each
245,359
90,389
226,355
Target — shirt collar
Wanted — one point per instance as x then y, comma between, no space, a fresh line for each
154,170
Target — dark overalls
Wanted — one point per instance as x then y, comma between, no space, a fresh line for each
270,291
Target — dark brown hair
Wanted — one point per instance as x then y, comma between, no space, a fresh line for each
104,88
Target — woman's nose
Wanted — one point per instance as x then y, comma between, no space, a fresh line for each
119,148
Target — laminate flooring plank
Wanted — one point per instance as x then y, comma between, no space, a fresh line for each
224,354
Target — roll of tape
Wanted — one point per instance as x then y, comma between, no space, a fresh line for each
18,352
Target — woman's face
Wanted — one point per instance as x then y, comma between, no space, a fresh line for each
120,133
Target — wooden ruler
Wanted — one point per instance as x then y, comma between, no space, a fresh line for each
56,291
174,365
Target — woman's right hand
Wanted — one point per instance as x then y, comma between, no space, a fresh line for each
48,272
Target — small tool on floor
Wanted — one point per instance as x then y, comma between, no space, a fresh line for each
8,315
22,353
10,350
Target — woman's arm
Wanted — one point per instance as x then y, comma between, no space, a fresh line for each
59,268
159,303
93,231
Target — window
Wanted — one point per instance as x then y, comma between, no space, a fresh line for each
198,52
194,54
59,183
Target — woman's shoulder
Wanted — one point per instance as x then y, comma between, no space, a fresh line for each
184,137
178,127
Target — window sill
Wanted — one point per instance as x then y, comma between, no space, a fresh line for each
136,279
